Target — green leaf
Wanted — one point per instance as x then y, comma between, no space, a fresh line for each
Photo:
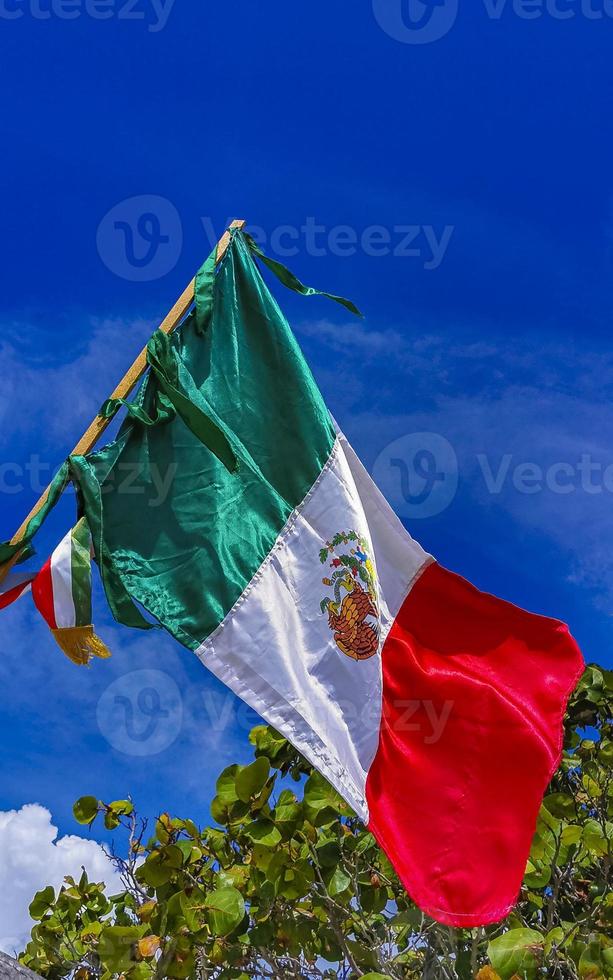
41,902
91,929
263,832
250,780
261,934
338,883
288,814
267,741
329,854
261,801
591,963
594,838
180,968
539,876
173,856
548,821
571,834
117,946
226,785
191,829
560,805
373,899
518,951
156,871
111,820
592,681
364,955
320,797
192,906
225,910
292,879
85,809
235,877
591,787
123,808
219,810
554,937
366,843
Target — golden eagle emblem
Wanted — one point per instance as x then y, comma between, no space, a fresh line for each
354,595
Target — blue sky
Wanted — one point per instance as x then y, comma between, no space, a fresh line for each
482,159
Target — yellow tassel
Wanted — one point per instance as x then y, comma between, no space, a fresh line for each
80,644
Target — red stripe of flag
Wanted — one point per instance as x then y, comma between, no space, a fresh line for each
474,693
42,593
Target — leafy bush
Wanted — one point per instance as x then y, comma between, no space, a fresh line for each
289,884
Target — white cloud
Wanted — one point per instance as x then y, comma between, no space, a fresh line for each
31,857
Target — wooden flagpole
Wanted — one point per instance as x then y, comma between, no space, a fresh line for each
130,379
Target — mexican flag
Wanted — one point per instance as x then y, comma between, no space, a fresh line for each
233,511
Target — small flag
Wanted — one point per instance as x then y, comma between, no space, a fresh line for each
62,593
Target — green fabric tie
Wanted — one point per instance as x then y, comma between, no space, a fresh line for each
57,487
289,279
179,387
164,410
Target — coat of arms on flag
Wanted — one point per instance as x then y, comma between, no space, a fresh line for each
353,612
232,563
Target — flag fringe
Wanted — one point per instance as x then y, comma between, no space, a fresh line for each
80,644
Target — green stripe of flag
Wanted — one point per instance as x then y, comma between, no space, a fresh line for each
80,562
174,527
